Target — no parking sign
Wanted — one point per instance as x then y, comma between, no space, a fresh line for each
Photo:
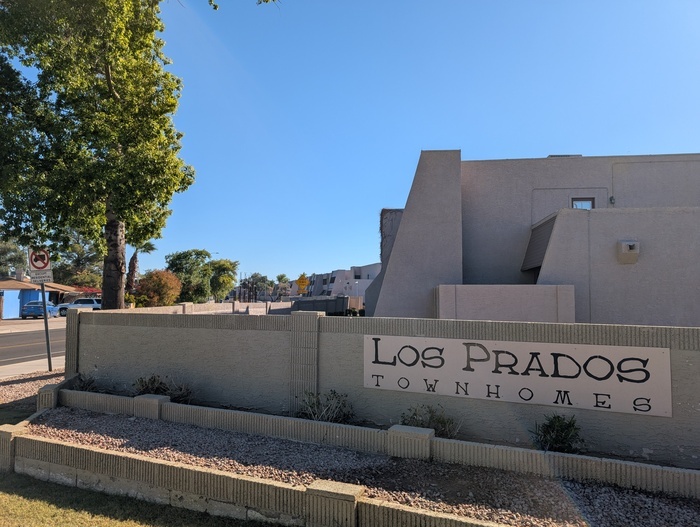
40,266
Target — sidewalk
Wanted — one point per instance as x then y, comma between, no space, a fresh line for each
17,325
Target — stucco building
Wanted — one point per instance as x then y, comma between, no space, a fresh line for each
610,240
342,282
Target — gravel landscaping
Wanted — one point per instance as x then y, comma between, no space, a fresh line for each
485,494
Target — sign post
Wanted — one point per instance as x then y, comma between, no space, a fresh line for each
40,266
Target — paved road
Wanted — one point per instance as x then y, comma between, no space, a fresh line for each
30,345
23,346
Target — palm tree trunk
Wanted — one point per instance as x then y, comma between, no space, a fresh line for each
114,263
133,269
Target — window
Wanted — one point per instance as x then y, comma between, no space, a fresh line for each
583,203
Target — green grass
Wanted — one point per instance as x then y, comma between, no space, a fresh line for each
27,502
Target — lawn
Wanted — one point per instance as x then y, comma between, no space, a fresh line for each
27,502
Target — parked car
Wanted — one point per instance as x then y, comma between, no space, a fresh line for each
35,308
94,303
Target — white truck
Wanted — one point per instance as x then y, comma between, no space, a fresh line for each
94,303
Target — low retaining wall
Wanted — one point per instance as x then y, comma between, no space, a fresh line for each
322,504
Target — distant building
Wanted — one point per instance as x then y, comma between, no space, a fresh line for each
610,240
351,282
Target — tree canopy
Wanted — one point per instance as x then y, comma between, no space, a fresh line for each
80,263
223,277
158,288
87,140
191,267
257,285
12,257
96,142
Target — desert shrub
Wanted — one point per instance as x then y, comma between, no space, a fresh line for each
426,416
180,393
154,385
85,384
331,407
558,434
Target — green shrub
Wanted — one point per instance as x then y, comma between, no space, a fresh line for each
332,407
426,416
558,434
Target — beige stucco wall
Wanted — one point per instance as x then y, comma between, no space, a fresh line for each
264,363
427,249
242,360
502,199
524,303
675,440
661,288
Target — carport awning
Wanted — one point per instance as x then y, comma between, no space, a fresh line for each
12,284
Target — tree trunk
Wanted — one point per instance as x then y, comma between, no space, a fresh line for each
114,263
133,269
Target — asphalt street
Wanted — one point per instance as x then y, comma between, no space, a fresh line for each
23,346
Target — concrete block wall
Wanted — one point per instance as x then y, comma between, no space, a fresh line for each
400,441
265,364
237,360
7,447
674,441
160,482
321,504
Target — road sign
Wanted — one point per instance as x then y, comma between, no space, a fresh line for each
42,276
302,282
39,260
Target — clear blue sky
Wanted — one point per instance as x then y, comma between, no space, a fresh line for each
304,119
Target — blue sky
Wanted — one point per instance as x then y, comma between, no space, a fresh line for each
304,119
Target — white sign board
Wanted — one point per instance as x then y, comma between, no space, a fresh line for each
39,260
626,379
41,277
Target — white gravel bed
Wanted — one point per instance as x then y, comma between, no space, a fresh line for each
485,494
23,388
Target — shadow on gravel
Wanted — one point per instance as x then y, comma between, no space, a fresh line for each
48,376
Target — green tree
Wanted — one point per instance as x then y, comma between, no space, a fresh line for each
79,263
223,277
12,257
158,288
282,285
257,285
91,144
193,270
146,247
106,154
